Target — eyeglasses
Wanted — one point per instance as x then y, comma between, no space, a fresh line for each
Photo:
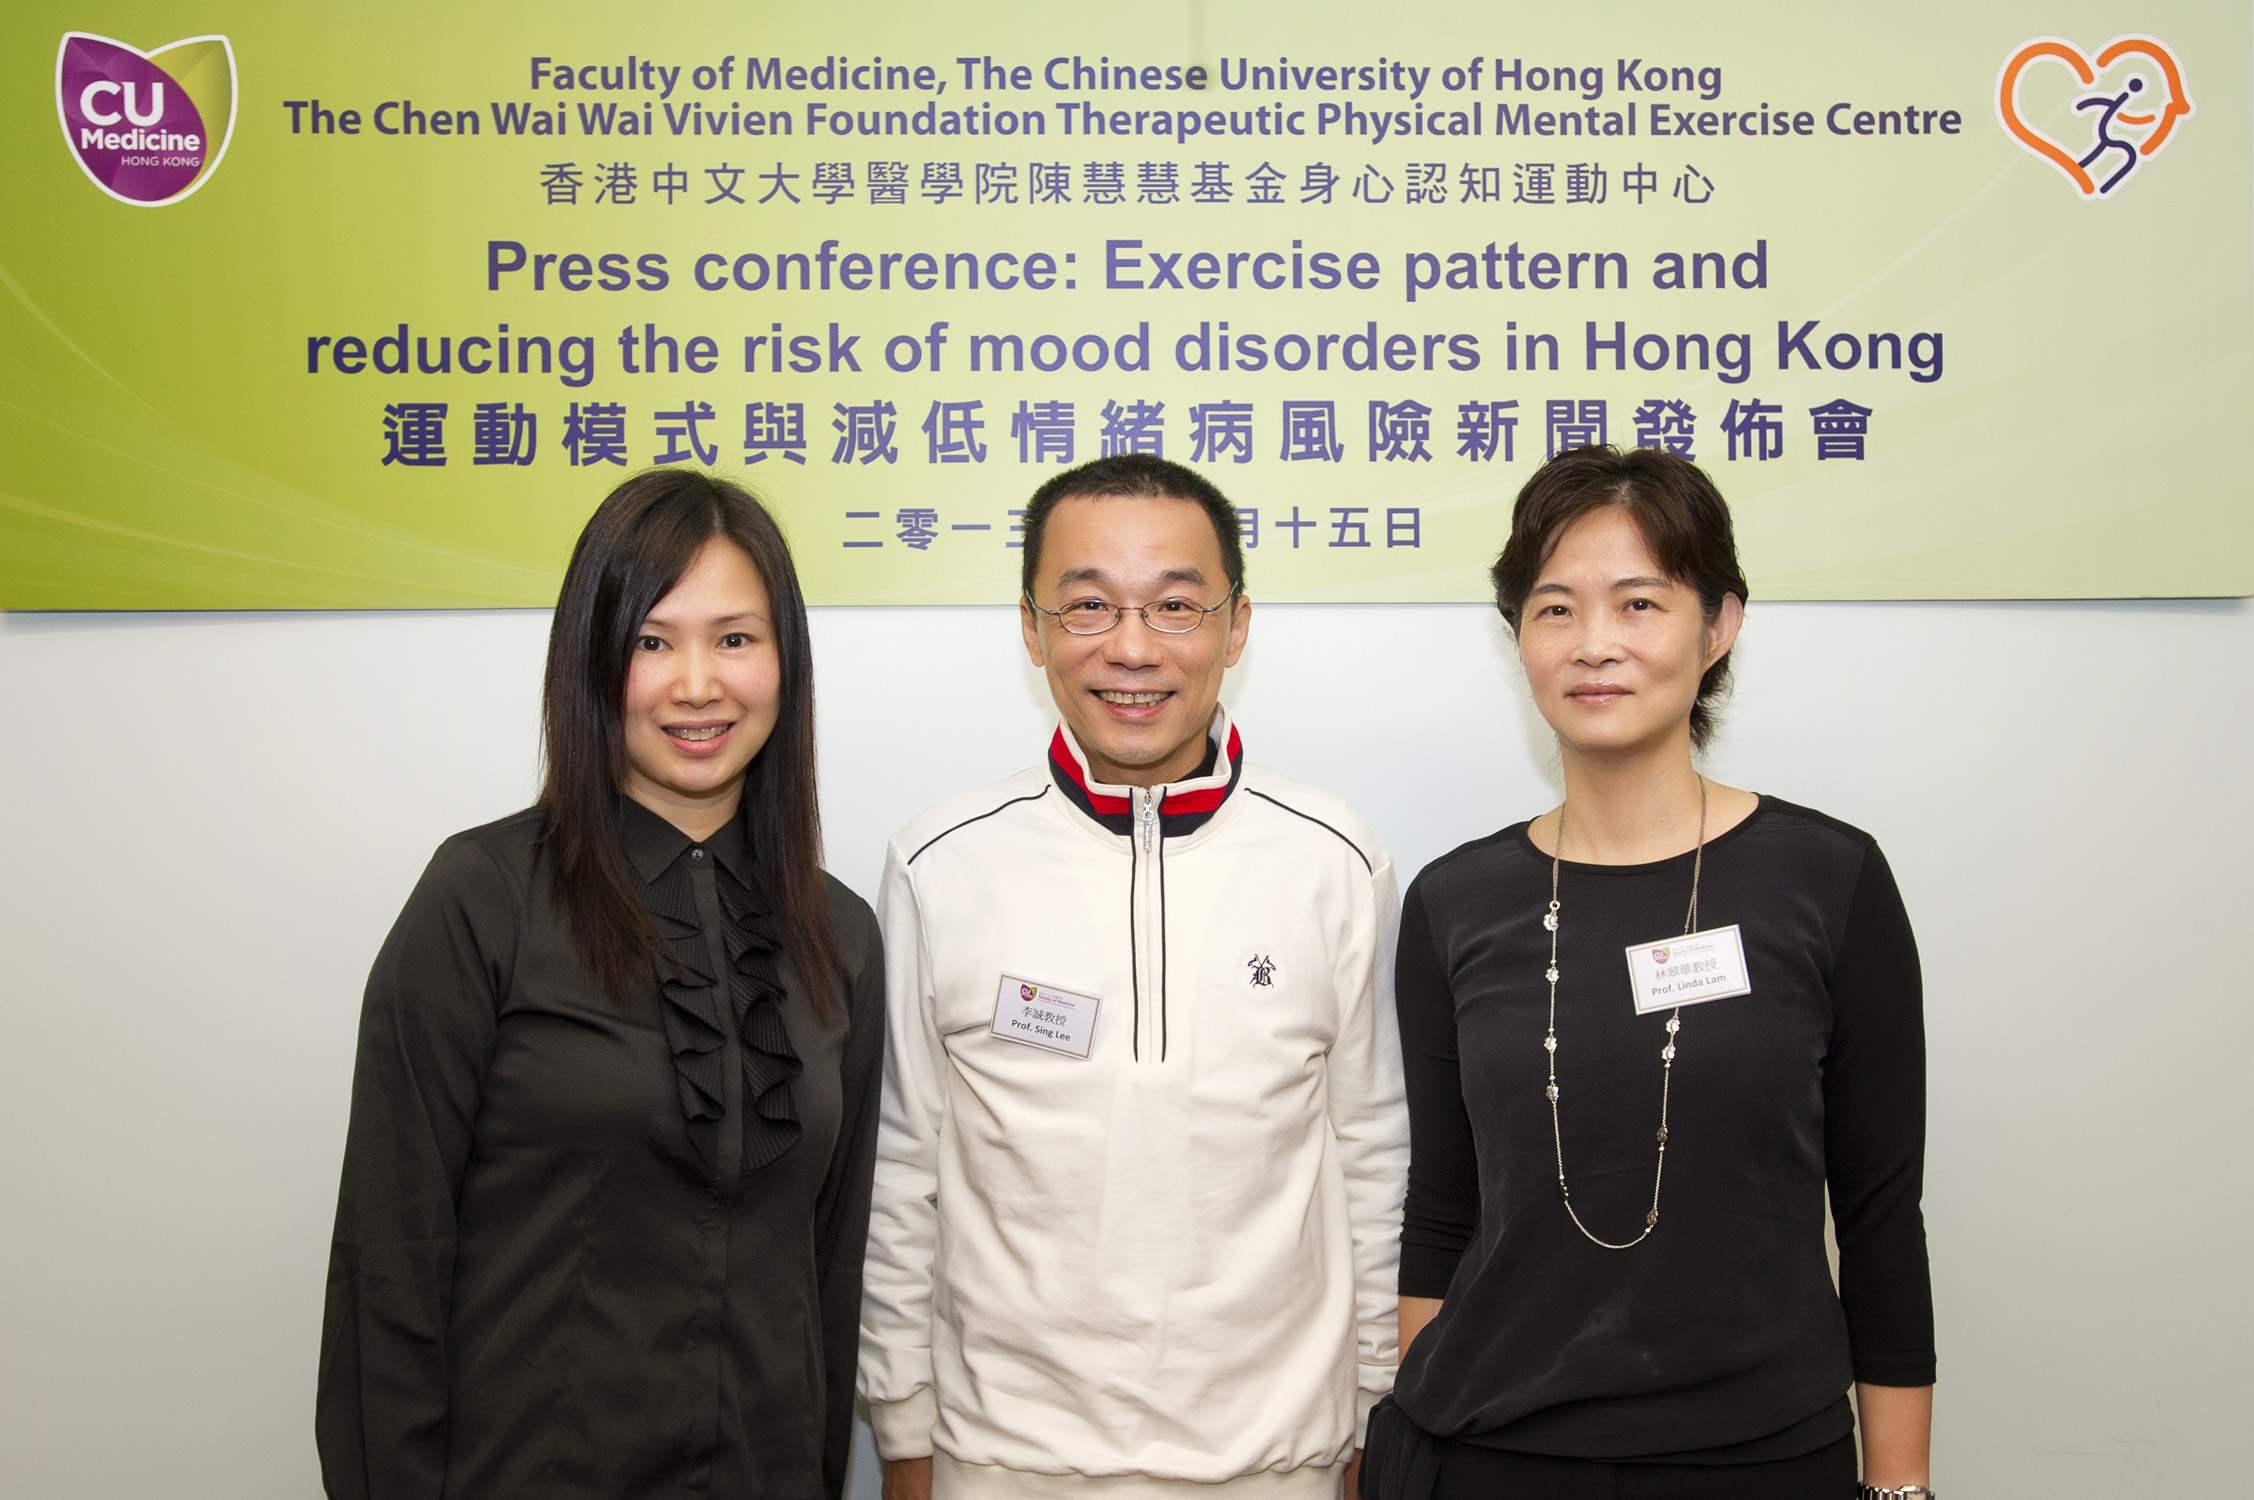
1167,616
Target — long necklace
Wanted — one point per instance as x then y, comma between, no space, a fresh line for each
1666,1053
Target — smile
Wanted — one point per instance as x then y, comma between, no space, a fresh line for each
1132,700
699,734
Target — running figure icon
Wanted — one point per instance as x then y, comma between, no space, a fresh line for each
2106,140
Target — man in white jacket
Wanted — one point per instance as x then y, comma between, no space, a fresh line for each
1139,1176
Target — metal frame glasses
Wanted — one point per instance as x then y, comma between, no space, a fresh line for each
1176,615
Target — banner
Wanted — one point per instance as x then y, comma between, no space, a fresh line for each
368,307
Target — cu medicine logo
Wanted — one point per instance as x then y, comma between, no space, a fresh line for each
2129,99
148,128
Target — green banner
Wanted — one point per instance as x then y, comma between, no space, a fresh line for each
369,307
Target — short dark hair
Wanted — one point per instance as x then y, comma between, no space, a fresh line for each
1133,476
1683,518
636,546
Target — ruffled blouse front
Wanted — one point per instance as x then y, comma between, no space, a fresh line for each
749,955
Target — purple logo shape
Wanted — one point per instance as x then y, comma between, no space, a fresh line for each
144,131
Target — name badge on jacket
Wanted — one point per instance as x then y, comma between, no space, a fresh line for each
1701,966
1041,1015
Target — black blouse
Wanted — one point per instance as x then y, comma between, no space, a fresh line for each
1721,1337
558,1268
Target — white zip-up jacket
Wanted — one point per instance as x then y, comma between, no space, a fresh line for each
1173,1260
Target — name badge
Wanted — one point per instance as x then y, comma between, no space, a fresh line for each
1041,1015
1702,966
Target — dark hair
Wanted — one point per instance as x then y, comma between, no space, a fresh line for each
1683,518
1133,476
637,545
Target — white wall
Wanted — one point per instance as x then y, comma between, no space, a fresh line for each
208,822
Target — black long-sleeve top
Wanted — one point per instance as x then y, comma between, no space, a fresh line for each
1721,1337
586,1249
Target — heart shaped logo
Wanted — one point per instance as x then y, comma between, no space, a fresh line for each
2130,98
148,128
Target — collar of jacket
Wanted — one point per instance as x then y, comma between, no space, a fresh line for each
1189,804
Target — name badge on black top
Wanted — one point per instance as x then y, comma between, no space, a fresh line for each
1687,970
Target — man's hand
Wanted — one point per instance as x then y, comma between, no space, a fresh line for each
1354,1476
908,1479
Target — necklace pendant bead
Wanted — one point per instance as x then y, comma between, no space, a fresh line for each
1549,920
1553,1093
1674,1024
1550,973
1668,1052
1651,1220
1549,1044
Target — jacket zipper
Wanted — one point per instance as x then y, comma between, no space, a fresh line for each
1147,923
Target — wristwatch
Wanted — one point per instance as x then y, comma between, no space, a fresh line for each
1906,1492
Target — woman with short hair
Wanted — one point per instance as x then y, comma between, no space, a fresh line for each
606,1185
1645,1033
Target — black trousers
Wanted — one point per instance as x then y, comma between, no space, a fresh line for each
1472,1473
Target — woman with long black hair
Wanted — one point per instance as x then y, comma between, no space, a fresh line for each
1645,1034
606,1183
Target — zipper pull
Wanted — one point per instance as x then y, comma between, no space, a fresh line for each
1150,818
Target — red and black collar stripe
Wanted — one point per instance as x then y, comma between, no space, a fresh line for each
1189,803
